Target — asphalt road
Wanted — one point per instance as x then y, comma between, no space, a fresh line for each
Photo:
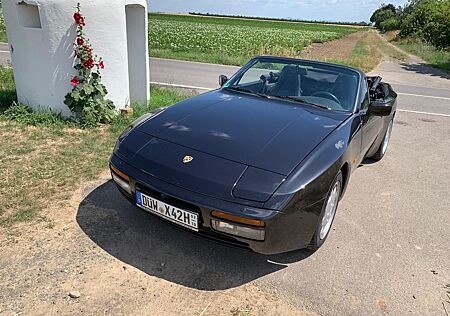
4,54
421,88
388,252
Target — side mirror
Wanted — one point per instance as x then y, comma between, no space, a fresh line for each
380,108
222,80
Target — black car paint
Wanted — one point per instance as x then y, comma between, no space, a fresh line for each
298,153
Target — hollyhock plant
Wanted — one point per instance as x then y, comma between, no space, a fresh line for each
87,98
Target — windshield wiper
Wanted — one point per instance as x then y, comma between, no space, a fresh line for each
300,100
237,88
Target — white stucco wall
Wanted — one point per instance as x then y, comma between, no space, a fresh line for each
42,57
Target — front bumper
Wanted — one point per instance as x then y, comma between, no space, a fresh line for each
284,231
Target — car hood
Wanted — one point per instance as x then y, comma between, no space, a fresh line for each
249,130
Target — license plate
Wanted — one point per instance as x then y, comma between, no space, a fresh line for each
178,216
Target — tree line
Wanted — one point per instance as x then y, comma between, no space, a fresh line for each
278,19
428,20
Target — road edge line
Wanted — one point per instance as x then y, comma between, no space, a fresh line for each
423,96
426,113
194,62
180,86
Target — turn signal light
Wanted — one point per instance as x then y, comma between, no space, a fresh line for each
238,219
120,173
121,179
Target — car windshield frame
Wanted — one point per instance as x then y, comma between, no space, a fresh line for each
233,82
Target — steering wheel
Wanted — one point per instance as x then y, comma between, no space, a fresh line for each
327,95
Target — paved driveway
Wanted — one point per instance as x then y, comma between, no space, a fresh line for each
389,249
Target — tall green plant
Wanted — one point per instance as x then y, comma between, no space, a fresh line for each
88,94
2,25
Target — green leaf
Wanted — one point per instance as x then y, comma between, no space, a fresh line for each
76,95
88,89
101,90
68,100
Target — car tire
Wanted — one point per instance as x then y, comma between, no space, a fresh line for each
328,213
385,143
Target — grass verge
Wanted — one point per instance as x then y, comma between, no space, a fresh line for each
7,88
438,58
44,158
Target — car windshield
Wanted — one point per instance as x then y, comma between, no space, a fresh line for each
316,84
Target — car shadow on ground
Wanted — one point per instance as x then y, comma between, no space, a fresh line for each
162,250
425,69
367,162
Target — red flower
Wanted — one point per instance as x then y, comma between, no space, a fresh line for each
79,19
75,81
88,63
80,41
101,64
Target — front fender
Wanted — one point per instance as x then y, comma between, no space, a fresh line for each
311,179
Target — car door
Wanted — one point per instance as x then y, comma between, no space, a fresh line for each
370,124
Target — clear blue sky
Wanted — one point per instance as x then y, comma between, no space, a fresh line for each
329,10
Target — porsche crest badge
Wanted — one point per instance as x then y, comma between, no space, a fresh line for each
187,159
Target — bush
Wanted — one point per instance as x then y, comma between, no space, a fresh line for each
424,19
385,12
437,30
390,24
427,19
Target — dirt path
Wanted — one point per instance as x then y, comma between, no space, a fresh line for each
41,263
339,49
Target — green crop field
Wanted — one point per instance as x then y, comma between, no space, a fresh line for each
233,41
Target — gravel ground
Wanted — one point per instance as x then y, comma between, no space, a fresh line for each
54,267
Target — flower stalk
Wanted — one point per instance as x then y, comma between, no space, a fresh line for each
87,97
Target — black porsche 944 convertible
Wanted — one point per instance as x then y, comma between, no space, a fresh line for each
263,161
